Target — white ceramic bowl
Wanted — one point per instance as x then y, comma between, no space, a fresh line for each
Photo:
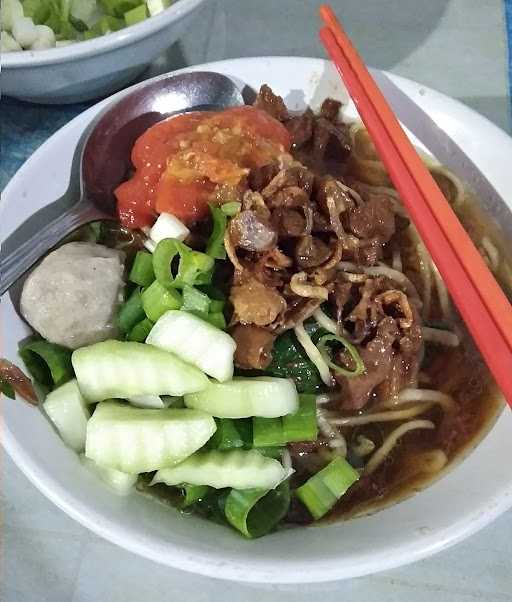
463,501
95,67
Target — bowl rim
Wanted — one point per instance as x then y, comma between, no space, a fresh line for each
101,44
472,521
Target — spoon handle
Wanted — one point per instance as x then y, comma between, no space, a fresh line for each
19,252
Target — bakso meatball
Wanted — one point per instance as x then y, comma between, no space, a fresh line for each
72,296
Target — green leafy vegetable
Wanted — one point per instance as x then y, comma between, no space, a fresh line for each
7,390
231,434
289,360
190,494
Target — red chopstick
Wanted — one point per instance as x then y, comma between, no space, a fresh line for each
478,297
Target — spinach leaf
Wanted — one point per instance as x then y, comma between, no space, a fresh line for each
289,360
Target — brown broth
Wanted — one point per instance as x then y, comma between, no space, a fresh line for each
460,372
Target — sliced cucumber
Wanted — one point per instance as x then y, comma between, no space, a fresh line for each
243,397
135,440
124,369
121,482
67,409
237,469
196,342
150,401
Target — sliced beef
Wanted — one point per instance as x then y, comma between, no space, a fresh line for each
271,103
259,177
378,357
254,302
330,139
289,222
330,109
311,252
250,231
373,219
253,347
301,128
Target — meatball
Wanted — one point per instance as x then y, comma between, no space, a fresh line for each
72,296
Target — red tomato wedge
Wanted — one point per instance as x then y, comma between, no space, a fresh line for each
180,160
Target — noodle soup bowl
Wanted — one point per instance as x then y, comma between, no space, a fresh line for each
464,500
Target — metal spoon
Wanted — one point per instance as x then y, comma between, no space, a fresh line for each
102,161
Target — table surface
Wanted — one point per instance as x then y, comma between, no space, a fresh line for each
456,46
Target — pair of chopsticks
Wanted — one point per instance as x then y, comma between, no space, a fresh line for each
478,297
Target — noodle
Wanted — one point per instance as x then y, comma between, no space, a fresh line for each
325,322
298,284
380,455
335,438
313,354
492,255
363,447
442,337
397,260
426,395
389,416
442,293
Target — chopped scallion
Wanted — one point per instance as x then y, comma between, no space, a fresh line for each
131,312
193,267
49,364
354,354
195,300
140,331
215,247
142,272
156,300
255,512
230,209
324,489
192,494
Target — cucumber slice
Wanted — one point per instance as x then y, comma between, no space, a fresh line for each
67,409
196,342
135,440
237,469
264,396
121,482
150,401
123,369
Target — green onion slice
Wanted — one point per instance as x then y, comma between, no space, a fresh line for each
192,494
301,426
131,312
354,354
140,331
142,272
255,512
156,300
324,489
215,247
49,364
231,209
195,300
193,267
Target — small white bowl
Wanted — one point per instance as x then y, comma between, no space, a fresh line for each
94,68
466,499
